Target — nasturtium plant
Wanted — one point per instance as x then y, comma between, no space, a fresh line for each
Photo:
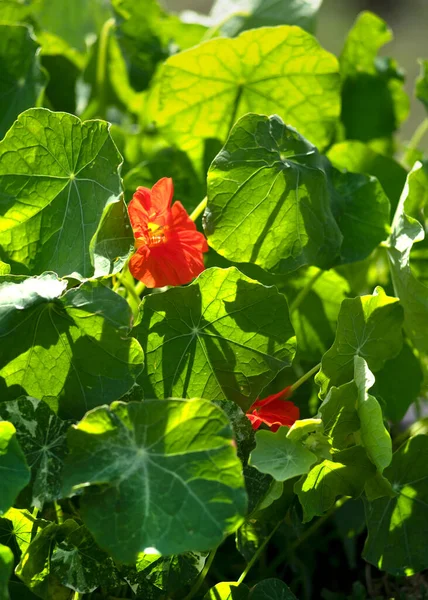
213,305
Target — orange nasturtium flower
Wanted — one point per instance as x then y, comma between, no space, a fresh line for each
274,411
169,247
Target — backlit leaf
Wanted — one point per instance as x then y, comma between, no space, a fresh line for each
225,336
71,346
200,93
61,190
166,469
6,568
422,83
368,326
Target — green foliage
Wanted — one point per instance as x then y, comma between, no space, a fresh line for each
279,456
129,462
200,93
422,83
224,337
163,467
22,79
397,526
232,17
69,347
14,469
368,326
62,189
373,100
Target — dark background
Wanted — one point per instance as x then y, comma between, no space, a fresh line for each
407,18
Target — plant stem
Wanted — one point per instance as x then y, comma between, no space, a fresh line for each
101,74
421,130
202,575
305,291
258,553
128,286
35,527
305,377
139,289
59,513
77,596
199,209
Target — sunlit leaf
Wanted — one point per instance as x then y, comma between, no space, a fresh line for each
15,473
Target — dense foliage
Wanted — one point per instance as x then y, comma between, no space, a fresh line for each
245,424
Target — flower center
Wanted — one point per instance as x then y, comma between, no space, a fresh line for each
156,236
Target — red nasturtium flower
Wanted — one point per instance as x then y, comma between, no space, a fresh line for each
274,411
169,247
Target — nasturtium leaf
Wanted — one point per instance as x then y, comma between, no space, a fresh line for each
279,456
15,473
70,346
407,230
374,436
230,17
268,201
34,568
422,83
225,336
201,92
398,527
271,589
6,568
345,475
339,415
61,188
398,384
166,469
228,590
78,563
15,530
373,100
42,436
148,34
315,320
362,212
357,157
22,78
77,22
4,268
15,11
154,576
368,326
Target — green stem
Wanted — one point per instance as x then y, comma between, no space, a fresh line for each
421,130
101,74
77,596
202,575
199,209
258,553
59,513
139,289
305,377
35,527
128,286
305,291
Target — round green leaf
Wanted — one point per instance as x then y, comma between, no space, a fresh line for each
268,201
201,92
279,456
156,476
398,526
22,78
225,336
69,347
14,471
368,326
62,206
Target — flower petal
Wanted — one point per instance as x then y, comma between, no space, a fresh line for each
162,193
